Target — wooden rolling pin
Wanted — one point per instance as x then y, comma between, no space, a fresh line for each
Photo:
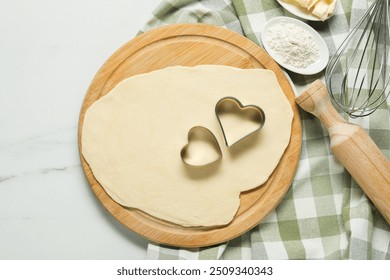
352,146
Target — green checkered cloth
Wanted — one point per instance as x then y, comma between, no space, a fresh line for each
325,214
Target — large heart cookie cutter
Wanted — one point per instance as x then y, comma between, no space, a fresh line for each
237,121
202,148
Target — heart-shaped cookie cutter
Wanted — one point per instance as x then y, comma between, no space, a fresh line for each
232,106
200,155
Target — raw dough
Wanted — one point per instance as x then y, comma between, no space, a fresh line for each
132,138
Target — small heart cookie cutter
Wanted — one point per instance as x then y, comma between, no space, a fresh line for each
198,156
232,106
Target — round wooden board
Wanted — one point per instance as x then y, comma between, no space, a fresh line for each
190,45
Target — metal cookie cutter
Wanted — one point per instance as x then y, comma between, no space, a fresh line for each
237,121
202,148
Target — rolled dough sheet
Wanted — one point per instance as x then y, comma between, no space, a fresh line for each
132,138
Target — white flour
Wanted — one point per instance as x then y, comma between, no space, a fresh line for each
293,44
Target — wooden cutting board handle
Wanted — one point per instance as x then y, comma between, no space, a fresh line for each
352,146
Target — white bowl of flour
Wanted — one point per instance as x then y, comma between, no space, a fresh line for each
295,45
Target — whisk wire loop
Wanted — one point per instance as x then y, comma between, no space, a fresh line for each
357,75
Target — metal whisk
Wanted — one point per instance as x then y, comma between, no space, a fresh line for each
358,75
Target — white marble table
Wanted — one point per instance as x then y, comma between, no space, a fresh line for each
49,53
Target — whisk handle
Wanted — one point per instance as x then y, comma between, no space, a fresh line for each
352,146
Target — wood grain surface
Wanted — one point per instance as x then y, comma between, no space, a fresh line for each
190,45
